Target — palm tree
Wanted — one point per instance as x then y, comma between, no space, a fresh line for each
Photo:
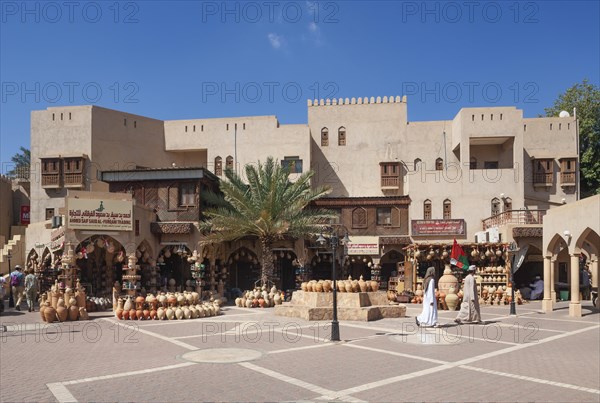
21,162
269,207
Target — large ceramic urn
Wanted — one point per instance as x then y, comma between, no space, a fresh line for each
447,281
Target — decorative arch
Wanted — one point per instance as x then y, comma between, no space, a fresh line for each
556,242
417,164
229,163
100,259
359,218
342,136
427,209
324,137
447,209
144,253
218,166
589,240
439,164
495,206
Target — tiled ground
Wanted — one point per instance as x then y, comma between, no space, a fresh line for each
530,357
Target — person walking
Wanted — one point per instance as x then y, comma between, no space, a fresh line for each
469,309
429,315
17,282
31,289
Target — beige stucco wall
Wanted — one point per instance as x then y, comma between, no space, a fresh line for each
6,208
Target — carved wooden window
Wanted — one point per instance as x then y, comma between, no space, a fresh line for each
51,172
218,166
495,206
359,218
384,216
229,163
543,172
324,137
447,209
417,164
439,164
173,197
187,194
342,136
427,209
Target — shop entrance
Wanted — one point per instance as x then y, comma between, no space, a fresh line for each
284,274
100,259
245,269
174,267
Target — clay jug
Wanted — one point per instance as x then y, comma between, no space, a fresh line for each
125,315
447,280
303,286
128,304
348,285
249,303
160,313
132,314
327,286
319,286
83,314
179,313
139,314
309,286
277,299
452,299
362,285
73,312
62,313
419,292
187,313
42,309
50,314
139,302
355,286
340,286
170,313
80,298
201,311
374,285
119,310
153,315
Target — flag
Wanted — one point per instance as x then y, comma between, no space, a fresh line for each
458,257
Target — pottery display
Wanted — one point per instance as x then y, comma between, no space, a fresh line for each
451,299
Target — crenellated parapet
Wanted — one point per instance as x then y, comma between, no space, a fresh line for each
357,101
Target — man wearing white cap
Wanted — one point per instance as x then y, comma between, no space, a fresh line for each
469,308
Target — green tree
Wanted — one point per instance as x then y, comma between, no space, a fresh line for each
585,97
21,161
269,207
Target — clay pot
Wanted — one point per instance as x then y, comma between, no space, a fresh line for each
249,303
374,285
355,286
187,313
171,301
50,314
73,312
72,301
160,313
303,286
348,286
340,286
125,315
128,304
261,302
277,299
327,286
132,314
447,280
419,291
452,299
179,313
139,302
319,287
152,315
362,285
62,313
170,313
139,314
42,309
309,286
83,314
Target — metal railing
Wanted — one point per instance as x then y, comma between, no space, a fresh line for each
514,217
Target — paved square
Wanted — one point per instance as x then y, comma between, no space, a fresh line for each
530,357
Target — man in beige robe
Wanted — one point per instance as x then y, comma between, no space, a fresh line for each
469,309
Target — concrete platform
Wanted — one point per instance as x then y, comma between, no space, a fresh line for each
360,306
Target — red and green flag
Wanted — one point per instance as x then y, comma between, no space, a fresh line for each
458,257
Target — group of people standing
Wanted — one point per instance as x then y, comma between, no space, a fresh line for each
469,308
22,284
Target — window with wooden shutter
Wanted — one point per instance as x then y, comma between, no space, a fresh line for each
447,209
396,217
218,166
229,163
342,136
324,136
187,194
427,210
495,206
173,198
359,218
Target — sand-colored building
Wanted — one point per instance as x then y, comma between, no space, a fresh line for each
486,177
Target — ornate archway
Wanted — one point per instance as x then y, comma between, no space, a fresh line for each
244,268
174,266
100,259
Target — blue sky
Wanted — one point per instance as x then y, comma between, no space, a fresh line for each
177,60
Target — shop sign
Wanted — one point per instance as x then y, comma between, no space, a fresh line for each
438,227
25,215
363,245
100,214
57,239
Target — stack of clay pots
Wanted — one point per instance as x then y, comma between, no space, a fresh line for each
170,306
56,305
260,298
349,285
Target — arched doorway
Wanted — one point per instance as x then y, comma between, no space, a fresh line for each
174,267
149,271
360,266
284,274
100,260
244,269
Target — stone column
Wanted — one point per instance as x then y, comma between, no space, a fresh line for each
575,304
547,303
595,272
553,270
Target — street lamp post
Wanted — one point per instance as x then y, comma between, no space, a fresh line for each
335,241
512,249
11,300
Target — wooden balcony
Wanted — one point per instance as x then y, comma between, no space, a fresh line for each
390,182
515,217
74,180
543,179
568,178
51,180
